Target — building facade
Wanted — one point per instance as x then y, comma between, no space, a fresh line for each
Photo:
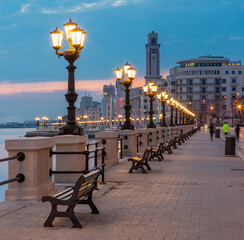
209,85
109,102
90,108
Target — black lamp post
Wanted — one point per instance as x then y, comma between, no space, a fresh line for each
37,122
76,38
150,90
171,104
162,97
129,74
60,120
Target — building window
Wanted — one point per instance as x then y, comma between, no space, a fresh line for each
233,80
242,89
203,81
217,72
217,81
233,72
173,83
226,72
223,89
223,107
172,90
223,80
217,90
233,89
203,90
239,72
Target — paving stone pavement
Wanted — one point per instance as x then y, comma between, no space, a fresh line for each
193,194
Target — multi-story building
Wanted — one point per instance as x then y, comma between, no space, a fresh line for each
109,102
153,73
90,108
209,85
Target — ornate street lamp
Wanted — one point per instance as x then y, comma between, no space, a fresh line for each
76,38
162,97
171,104
60,120
37,119
130,74
85,117
150,90
120,119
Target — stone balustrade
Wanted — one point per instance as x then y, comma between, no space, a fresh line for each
38,161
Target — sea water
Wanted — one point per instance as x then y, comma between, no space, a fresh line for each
8,133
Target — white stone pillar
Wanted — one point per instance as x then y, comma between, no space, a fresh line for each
35,168
74,162
129,140
111,157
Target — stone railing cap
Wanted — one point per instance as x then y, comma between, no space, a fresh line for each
71,139
106,134
30,143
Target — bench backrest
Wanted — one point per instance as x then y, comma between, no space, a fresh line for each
146,154
85,184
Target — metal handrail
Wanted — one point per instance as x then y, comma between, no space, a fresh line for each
86,153
120,141
138,143
19,178
19,156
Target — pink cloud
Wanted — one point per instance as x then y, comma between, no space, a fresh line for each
7,88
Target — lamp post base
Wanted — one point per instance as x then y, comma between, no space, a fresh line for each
71,130
151,125
127,126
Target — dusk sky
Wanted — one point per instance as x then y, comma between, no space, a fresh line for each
33,80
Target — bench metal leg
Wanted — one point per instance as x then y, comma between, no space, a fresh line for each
92,206
147,165
132,167
74,220
142,169
51,217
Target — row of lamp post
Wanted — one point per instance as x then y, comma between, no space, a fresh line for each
125,76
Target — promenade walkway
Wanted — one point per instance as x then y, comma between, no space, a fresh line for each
196,193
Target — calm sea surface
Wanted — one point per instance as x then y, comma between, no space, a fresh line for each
8,133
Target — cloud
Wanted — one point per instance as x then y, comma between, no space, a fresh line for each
236,38
24,8
7,88
119,3
97,5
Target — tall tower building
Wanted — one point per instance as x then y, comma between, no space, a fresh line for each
153,58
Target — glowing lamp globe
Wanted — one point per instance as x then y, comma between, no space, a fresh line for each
68,27
119,73
78,37
131,73
154,88
145,88
57,37
126,67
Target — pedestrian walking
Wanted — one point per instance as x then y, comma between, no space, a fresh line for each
226,128
237,130
211,130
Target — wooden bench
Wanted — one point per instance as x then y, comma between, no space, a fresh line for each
157,152
69,196
138,162
166,147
